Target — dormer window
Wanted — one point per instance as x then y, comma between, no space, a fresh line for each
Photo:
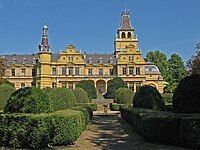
111,60
24,60
90,60
100,60
14,60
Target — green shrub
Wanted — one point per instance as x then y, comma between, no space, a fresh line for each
113,86
28,100
148,97
117,93
186,98
4,81
36,131
116,107
47,90
164,127
190,132
88,87
62,98
81,95
92,106
68,126
167,97
5,91
125,96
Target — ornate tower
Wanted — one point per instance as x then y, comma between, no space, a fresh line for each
44,66
125,34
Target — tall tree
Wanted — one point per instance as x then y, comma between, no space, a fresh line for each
194,62
160,60
2,68
177,71
172,70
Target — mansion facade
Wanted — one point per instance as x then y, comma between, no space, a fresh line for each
67,68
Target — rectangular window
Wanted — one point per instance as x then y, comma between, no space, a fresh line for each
131,58
64,84
13,72
70,58
70,71
64,71
100,72
77,71
137,70
70,85
111,72
54,71
90,72
124,71
138,85
23,72
131,70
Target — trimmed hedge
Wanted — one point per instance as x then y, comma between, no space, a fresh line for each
37,131
5,91
116,107
113,86
88,87
186,98
81,95
148,97
62,98
28,100
124,96
163,127
92,106
117,93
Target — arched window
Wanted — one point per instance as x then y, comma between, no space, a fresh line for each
129,34
123,35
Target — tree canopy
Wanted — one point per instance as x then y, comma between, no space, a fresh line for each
194,62
172,69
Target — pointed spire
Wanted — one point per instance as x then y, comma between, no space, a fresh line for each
125,20
44,46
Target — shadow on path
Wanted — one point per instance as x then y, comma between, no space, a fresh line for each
113,133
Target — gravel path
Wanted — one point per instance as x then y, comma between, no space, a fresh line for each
112,133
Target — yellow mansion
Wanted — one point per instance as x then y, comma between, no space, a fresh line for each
67,68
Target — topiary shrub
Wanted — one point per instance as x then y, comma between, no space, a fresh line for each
6,90
81,95
28,100
47,90
62,98
186,98
88,87
125,96
117,93
113,86
148,97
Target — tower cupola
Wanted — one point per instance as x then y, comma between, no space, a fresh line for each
44,46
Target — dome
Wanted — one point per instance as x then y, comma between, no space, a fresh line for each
151,69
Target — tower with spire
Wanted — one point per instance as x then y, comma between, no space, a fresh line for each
125,34
44,46
44,64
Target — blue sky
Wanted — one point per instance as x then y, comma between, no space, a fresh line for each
171,26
